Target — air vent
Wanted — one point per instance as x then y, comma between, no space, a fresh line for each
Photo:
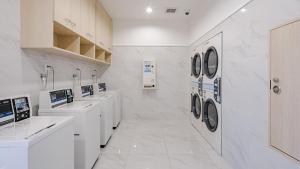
171,10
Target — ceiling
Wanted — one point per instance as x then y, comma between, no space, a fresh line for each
135,9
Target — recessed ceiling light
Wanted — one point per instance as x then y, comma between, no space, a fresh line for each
243,10
149,10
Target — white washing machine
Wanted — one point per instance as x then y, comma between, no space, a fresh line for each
212,103
100,89
86,93
87,123
35,142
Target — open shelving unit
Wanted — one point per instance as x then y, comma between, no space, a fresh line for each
45,27
70,43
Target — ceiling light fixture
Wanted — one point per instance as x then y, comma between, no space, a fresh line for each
149,10
243,10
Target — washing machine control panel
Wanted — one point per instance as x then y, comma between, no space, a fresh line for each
58,98
87,90
70,97
21,108
6,112
217,90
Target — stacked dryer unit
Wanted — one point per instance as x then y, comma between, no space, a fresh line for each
210,87
196,93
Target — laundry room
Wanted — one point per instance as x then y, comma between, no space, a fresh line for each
149,84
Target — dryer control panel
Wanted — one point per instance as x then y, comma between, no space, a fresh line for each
149,74
217,90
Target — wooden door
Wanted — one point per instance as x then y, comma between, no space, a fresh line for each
100,28
92,20
75,15
285,91
62,12
84,18
103,28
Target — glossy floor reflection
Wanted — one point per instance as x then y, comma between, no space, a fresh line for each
146,144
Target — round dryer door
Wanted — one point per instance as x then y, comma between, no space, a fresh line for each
196,106
211,62
210,114
196,65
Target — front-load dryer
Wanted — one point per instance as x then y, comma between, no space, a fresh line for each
106,102
212,63
196,111
212,96
35,142
87,123
196,68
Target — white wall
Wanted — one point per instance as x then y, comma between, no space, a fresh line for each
245,85
150,33
217,13
170,101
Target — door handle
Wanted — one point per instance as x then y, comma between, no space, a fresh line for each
277,89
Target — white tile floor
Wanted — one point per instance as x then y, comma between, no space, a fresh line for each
147,144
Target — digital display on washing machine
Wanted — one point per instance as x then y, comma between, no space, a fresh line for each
85,90
22,109
6,112
58,96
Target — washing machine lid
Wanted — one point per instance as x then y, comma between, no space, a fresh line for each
211,62
96,97
27,129
74,107
196,106
196,65
210,115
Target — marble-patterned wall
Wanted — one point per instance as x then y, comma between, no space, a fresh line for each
169,101
20,69
246,82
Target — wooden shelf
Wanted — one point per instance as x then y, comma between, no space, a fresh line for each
87,48
102,55
108,57
61,28
65,39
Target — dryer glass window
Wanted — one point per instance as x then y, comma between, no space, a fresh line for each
211,115
197,107
196,65
211,62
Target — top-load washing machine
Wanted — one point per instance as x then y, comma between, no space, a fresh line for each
34,142
212,100
116,93
87,123
86,93
196,90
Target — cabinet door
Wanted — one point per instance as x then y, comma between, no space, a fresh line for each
109,34
104,28
100,25
284,93
92,14
75,15
62,12
84,18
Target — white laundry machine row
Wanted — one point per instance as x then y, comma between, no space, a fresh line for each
86,93
210,89
31,142
87,123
